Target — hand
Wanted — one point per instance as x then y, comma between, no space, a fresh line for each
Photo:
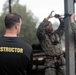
57,16
73,17
50,15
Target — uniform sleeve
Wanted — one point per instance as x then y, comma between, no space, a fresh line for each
73,27
30,63
61,28
56,35
41,29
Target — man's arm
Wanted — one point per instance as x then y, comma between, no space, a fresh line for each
61,28
41,29
30,64
73,23
56,35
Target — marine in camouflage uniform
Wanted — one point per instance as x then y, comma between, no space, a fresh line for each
73,25
51,44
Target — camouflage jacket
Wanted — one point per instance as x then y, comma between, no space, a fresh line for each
74,32
50,42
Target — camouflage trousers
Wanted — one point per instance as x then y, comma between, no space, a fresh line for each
57,67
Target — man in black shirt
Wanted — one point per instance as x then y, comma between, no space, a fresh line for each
15,54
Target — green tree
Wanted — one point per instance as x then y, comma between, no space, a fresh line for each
28,30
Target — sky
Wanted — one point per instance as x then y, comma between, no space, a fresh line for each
41,8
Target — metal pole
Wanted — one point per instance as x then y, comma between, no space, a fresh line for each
74,1
9,6
69,40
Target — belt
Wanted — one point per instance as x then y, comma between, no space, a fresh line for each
51,57
55,57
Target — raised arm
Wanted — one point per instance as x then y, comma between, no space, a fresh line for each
61,28
56,35
73,23
41,34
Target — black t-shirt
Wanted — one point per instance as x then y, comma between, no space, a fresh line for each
15,56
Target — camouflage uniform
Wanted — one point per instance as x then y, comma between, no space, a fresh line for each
74,31
51,44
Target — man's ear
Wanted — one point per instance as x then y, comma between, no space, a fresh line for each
16,25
